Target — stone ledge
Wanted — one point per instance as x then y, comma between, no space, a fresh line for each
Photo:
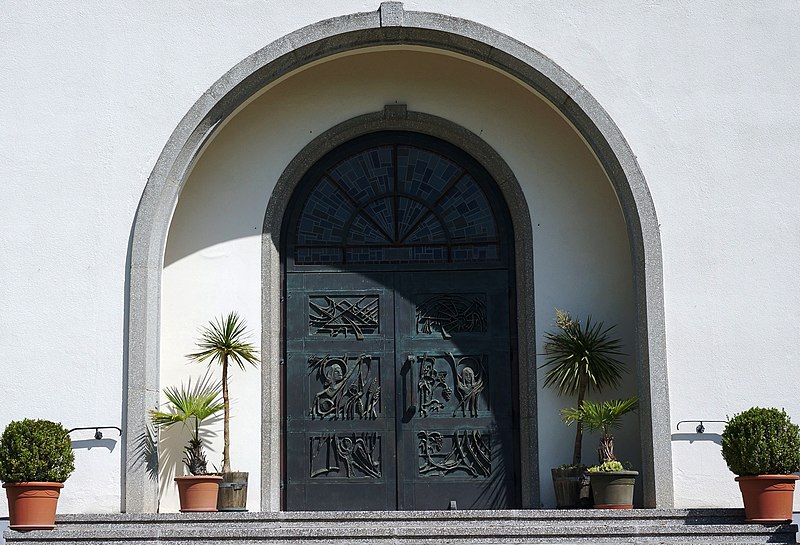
684,515
673,526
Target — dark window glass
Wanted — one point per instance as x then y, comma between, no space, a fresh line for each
396,204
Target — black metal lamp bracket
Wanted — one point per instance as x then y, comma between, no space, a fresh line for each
700,427
97,433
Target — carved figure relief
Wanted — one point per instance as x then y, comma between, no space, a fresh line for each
353,453
470,451
447,314
470,385
440,376
342,315
350,387
430,381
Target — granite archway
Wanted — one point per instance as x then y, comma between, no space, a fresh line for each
389,25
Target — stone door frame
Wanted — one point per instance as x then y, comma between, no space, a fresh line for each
515,218
391,24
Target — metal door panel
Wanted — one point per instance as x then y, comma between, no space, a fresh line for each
456,444
339,420
437,344
398,385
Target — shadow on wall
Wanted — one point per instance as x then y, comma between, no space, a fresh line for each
692,437
170,452
218,226
89,444
3,528
146,452
700,432
795,519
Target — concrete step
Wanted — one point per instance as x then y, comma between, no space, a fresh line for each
641,526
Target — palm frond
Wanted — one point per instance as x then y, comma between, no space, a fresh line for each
602,416
571,415
582,356
188,402
225,340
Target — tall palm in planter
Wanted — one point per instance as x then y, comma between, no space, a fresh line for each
579,359
35,459
225,341
612,484
191,406
762,447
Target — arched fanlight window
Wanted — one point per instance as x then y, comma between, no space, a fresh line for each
396,198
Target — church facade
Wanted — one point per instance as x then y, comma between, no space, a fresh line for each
397,198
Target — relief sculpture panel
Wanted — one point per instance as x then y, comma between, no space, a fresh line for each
469,452
350,387
343,315
346,455
441,376
451,313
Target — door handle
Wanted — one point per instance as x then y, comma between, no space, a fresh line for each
411,390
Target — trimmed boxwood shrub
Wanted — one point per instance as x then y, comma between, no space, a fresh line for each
35,450
761,442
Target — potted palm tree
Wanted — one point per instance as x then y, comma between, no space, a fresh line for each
612,484
190,406
762,447
579,359
35,459
225,341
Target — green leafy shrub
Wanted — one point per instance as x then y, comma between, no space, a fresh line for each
761,442
604,417
224,341
35,450
581,359
191,405
605,467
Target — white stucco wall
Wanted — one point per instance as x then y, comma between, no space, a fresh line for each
213,257
705,94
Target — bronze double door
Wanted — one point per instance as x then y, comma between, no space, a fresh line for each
399,391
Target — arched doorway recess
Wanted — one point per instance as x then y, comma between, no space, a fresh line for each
390,25
508,198
400,373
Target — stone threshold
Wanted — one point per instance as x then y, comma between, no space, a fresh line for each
462,527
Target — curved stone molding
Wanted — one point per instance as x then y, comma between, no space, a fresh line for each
395,117
390,25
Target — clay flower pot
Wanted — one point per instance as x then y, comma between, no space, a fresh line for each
32,505
613,489
198,492
767,498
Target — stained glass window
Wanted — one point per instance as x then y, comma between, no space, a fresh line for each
395,203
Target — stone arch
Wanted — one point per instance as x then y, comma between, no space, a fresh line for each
397,118
390,25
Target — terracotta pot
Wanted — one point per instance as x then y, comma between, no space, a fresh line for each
613,489
32,505
198,492
767,498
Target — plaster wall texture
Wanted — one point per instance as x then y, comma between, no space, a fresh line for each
216,228
705,94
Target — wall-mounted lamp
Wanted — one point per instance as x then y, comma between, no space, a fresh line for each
97,433
700,427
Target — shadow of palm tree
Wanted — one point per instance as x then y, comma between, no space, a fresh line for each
146,452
